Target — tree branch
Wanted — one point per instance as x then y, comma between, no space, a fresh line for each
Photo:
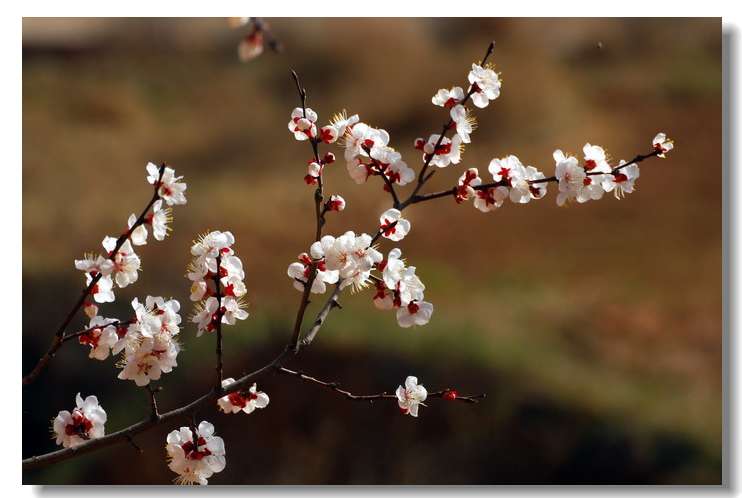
336,387
58,339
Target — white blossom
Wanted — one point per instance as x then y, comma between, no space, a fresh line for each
448,98
485,83
170,189
245,401
411,396
126,263
393,226
464,121
86,422
448,152
622,181
415,313
101,338
662,144
195,457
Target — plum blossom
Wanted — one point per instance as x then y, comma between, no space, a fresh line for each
574,183
465,187
170,188
102,290
214,261
149,344
361,140
485,83
411,396
448,98
465,122
448,152
250,46
393,226
517,179
101,337
622,180
302,270
147,358
195,457
86,422
415,313
302,123
662,144
352,256
159,219
336,203
126,263
489,199
595,159
242,401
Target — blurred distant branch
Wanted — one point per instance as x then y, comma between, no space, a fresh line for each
449,394
59,336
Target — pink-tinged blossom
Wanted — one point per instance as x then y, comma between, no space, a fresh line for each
85,422
302,123
242,401
393,226
126,263
101,337
195,457
336,203
411,396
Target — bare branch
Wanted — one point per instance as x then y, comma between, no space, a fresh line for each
449,394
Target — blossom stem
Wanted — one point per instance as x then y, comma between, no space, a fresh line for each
58,338
336,387
219,314
452,191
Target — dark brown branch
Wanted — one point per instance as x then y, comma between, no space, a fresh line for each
336,387
152,391
124,435
58,339
331,303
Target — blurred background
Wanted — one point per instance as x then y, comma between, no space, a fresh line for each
595,330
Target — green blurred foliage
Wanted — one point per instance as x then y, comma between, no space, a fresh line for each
594,329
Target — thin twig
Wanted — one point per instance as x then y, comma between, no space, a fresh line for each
336,387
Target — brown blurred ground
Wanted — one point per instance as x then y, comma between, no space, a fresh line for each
595,329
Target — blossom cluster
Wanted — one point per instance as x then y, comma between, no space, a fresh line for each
120,263
149,344
579,181
400,288
218,286
242,401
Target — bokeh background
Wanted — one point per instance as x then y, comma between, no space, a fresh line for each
595,330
